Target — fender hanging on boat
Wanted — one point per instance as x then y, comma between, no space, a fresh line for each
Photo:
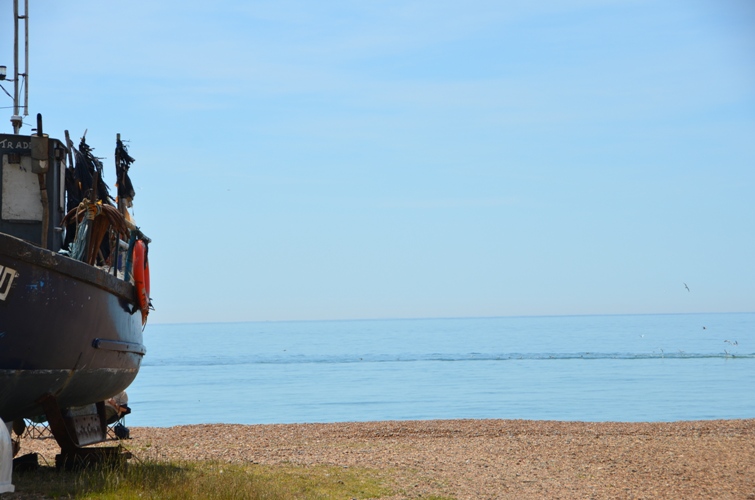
141,278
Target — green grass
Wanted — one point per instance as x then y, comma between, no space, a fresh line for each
204,480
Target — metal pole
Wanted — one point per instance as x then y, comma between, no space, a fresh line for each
15,62
26,58
16,119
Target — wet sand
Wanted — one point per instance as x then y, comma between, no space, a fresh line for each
477,459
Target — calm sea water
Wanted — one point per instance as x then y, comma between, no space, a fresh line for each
586,368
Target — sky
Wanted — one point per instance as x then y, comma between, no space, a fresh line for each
302,160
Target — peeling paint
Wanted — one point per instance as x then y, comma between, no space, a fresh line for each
33,287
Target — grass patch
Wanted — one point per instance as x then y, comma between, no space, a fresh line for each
204,480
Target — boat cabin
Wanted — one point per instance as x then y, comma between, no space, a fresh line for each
32,194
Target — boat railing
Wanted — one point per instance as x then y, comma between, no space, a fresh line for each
103,238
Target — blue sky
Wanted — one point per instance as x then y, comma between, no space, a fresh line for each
340,160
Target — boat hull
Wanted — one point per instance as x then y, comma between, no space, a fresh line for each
66,329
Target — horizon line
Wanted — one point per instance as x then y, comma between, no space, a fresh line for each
426,318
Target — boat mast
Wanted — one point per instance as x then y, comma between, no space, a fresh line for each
16,119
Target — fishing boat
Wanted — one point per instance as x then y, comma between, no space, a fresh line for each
74,278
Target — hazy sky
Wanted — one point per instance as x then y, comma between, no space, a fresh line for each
343,159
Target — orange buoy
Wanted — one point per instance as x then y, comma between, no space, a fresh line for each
141,278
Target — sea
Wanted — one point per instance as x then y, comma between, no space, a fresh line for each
621,368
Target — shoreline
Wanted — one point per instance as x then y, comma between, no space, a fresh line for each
470,459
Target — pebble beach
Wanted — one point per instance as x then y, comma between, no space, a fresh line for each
477,459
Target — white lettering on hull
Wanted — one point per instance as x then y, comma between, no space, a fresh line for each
7,275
